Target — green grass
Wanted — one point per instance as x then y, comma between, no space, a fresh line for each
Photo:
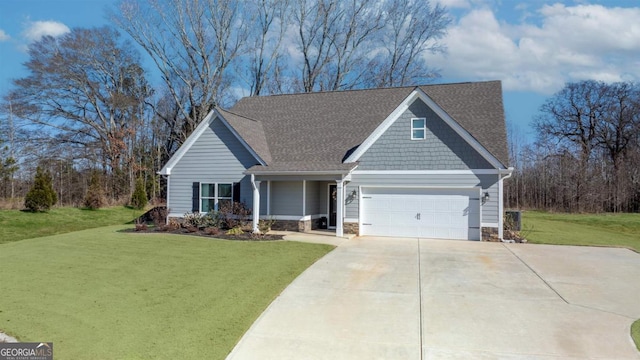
104,294
619,230
18,225
635,333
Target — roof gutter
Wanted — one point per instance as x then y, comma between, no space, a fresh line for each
300,172
507,172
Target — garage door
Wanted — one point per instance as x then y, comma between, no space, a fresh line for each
426,213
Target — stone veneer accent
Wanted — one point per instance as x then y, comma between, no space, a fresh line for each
490,234
304,226
285,225
295,225
351,228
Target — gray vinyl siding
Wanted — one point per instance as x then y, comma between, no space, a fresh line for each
312,202
442,149
264,187
216,157
490,209
489,183
351,201
286,198
323,193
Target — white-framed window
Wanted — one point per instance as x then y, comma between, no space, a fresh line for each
418,128
215,195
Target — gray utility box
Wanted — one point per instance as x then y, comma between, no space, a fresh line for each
513,218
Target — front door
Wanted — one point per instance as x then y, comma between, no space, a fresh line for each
333,196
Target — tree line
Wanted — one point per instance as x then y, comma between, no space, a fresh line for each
586,157
89,106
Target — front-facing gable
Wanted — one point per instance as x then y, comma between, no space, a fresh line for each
217,152
441,149
244,134
494,121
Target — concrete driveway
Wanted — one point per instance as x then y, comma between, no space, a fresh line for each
384,298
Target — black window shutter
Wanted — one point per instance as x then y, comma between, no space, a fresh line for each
195,200
236,192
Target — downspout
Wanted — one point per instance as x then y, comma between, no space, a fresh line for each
166,219
509,173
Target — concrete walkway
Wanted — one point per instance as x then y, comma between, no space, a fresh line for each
383,298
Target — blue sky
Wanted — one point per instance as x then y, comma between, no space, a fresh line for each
532,46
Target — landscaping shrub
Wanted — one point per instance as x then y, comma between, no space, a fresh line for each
265,225
212,231
200,220
212,219
141,226
159,215
235,231
95,198
172,225
193,219
41,196
234,214
139,197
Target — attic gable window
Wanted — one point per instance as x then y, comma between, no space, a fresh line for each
418,128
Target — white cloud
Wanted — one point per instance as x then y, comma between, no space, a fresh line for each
465,4
35,30
461,4
4,36
567,43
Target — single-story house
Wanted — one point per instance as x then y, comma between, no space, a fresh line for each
419,161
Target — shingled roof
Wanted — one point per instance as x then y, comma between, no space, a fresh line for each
251,131
317,131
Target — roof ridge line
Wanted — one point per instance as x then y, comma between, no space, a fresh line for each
242,116
371,89
334,91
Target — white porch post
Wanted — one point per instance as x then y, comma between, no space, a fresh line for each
304,198
500,209
339,207
256,203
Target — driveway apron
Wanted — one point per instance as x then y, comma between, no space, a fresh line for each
390,298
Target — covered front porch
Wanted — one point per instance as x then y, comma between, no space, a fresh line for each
300,202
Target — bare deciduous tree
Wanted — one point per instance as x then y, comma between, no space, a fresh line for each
413,28
263,69
587,154
355,44
85,89
193,43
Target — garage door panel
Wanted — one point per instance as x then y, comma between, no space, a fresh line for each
443,213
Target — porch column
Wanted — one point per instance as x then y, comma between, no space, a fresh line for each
339,207
256,203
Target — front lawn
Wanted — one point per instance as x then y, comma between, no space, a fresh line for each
104,294
18,225
621,230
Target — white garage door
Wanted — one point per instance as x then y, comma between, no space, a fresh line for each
426,213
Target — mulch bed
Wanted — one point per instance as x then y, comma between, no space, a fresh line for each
245,236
